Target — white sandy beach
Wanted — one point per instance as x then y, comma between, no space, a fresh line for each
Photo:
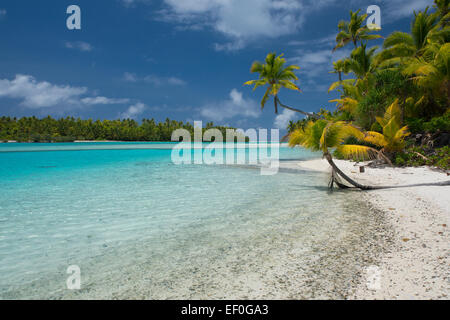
417,264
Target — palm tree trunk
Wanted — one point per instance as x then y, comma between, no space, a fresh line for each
308,114
337,171
276,104
382,156
344,176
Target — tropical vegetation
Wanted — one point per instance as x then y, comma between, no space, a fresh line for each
32,129
390,97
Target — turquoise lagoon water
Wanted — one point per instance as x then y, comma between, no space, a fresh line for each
139,226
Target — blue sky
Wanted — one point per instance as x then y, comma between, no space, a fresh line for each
182,59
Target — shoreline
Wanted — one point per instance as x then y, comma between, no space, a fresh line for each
415,266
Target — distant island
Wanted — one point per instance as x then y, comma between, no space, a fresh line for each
69,129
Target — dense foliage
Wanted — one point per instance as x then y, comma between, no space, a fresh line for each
419,156
32,129
412,72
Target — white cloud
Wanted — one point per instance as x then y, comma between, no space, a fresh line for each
175,81
315,64
79,45
230,46
154,79
39,94
103,100
133,111
130,77
397,9
133,3
160,81
2,13
235,106
35,95
321,41
282,120
241,21
128,3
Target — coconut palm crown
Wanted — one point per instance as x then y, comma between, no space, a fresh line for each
354,31
401,45
275,75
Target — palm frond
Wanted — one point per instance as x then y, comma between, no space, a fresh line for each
375,138
265,97
357,152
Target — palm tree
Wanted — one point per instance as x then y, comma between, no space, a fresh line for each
401,45
322,135
432,70
275,75
393,137
347,104
360,62
443,11
353,31
340,67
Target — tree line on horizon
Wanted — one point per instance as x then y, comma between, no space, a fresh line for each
69,129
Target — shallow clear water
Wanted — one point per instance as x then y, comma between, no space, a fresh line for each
139,226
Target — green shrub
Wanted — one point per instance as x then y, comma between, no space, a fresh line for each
436,158
438,123
415,125
401,159
376,127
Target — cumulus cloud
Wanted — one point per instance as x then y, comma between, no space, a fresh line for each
35,95
154,79
240,21
243,21
79,45
39,94
235,106
133,111
282,120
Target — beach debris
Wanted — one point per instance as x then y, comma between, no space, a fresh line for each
406,239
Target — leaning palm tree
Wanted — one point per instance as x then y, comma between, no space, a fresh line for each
390,140
322,135
275,76
354,31
401,45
